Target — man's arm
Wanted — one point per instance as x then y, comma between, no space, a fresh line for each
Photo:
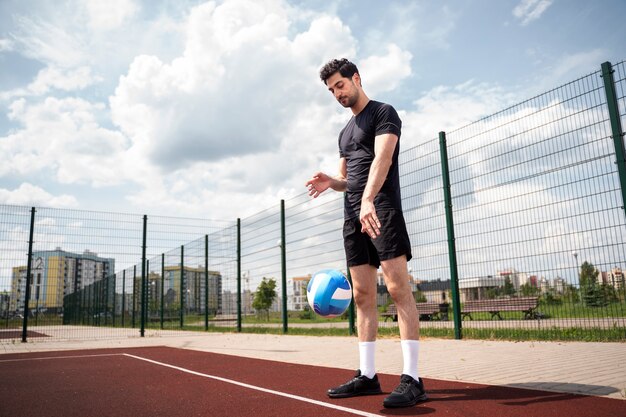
384,147
321,182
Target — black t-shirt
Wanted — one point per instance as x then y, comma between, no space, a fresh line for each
356,144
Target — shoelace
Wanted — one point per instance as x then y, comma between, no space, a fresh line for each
403,387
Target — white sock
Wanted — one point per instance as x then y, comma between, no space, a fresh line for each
367,363
410,351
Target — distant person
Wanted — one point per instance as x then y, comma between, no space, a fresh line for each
374,230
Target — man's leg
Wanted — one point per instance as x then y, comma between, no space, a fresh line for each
411,389
364,291
397,281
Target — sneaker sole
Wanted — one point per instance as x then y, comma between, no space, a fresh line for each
416,401
355,394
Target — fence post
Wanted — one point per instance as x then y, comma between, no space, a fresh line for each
283,265
351,313
144,279
79,316
123,297
134,293
182,285
239,275
454,275
616,126
28,275
206,282
142,331
114,297
162,287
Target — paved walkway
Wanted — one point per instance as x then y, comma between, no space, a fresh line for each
573,367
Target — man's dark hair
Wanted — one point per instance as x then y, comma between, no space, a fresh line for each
346,68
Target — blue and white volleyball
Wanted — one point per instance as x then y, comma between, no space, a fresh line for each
329,293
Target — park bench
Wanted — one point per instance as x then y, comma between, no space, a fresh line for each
425,310
527,305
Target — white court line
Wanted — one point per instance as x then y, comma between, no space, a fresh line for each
44,358
269,391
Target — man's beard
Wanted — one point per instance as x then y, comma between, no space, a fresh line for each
351,100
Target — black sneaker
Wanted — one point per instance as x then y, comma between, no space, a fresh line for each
407,394
359,385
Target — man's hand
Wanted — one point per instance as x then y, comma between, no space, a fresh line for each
369,221
318,184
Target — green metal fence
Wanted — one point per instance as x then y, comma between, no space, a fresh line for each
517,224
538,208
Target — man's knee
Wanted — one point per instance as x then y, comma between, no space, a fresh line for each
364,298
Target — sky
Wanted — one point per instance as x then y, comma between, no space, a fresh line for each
215,109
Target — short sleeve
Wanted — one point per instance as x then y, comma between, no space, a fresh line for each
341,154
387,120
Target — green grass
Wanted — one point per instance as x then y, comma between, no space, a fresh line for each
568,312
594,334
578,310
562,311
292,317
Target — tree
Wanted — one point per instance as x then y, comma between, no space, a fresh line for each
264,296
592,293
528,290
588,275
571,293
509,289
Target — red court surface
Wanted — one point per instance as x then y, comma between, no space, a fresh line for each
163,381
17,334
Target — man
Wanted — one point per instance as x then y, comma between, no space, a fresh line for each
374,230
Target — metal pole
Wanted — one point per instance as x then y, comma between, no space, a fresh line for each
283,264
182,285
616,126
123,296
134,292
239,275
162,287
454,275
351,312
143,278
146,286
114,297
28,274
78,299
206,282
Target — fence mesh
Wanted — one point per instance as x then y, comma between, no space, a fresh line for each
538,210
539,222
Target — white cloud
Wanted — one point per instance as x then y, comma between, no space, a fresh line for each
101,35
110,14
63,135
50,43
386,72
570,66
54,78
6,45
234,90
31,195
530,10
448,107
222,118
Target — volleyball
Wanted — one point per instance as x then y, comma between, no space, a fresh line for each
329,293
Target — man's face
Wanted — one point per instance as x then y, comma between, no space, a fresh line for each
344,89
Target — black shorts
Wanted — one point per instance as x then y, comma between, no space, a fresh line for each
392,242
